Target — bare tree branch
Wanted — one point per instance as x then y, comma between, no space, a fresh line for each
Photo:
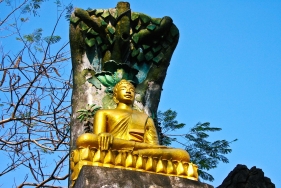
34,103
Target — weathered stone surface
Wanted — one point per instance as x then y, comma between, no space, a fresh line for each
242,177
100,177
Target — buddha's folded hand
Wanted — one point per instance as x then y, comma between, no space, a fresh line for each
105,140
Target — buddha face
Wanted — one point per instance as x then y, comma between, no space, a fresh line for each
124,93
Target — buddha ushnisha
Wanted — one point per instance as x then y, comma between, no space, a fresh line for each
126,129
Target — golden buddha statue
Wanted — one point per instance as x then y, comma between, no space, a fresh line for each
126,138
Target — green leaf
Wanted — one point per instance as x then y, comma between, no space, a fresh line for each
104,47
158,58
151,27
145,47
83,26
74,19
156,21
35,36
174,31
135,52
204,153
134,16
157,48
109,39
138,27
144,18
99,11
103,78
136,37
149,56
93,32
111,29
52,39
89,112
110,80
140,57
105,14
99,40
90,42
103,23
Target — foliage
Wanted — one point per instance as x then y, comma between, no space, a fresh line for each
167,123
204,153
88,112
35,96
86,115
32,6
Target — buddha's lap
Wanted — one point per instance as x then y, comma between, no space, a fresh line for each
147,150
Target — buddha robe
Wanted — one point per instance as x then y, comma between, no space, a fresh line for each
133,126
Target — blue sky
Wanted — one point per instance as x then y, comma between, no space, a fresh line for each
226,70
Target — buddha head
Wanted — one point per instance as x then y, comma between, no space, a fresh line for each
124,92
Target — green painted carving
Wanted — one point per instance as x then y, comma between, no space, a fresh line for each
74,19
157,48
98,12
148,55
117,44
140,57
90,42
145,47
92,32
83,26
151,27
95,82
156,21
144,18
135,16
107,79
114,72
135,52
158,58
132,40
105,14
174,31
99,40
111,29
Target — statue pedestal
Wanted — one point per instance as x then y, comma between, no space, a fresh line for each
96,177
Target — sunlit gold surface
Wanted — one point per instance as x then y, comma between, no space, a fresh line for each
125,138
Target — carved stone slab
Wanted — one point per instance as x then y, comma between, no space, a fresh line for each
97,177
